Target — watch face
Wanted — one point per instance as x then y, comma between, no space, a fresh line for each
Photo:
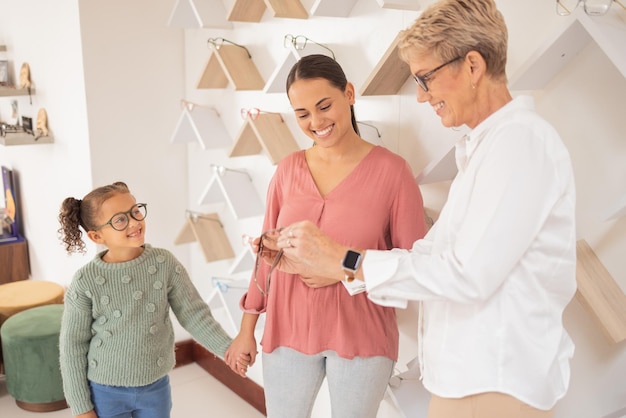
351,260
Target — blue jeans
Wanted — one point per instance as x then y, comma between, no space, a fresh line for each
150,401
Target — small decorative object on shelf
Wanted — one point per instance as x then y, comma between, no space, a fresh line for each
25,76
4,66
42,123
25,134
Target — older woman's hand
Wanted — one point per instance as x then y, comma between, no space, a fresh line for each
310,253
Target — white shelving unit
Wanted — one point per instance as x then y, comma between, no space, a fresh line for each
400,4
202,124
235,187
276,82
609,32
370,133
244,261
617,210
332,8
199,14
442,169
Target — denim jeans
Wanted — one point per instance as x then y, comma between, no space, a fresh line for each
292,381
150,401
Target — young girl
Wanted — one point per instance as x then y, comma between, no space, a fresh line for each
117,341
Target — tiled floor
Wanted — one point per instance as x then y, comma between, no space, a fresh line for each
195,393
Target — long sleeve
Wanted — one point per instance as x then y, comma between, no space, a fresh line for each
194,314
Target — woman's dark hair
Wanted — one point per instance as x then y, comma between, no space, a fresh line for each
320,66
75,213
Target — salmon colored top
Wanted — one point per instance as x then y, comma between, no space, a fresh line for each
377,206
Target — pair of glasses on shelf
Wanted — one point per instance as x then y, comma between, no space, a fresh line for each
591,7
299,42
257,264
254,112
218,42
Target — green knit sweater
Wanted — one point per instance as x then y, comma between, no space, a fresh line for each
116,327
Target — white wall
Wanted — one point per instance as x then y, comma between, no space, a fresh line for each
114,120
110,76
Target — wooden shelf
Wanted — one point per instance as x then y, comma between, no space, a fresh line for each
276,82
247,11
21,138
287,8
235,187
208,231
202,124
7,91
442,169
389,75
230,64
599,294
609,33
199,14
267,132
333,8
400,4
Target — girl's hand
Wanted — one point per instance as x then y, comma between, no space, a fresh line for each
241,354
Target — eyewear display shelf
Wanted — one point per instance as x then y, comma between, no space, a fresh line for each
230,64
599,294
267,132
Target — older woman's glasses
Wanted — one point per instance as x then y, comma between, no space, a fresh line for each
591,7
268,278
120,221
422,79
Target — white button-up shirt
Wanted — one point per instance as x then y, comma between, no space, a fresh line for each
497,269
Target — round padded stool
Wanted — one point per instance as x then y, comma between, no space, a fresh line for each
30,341
24,294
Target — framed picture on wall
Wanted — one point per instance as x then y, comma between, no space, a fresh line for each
9,229
4,73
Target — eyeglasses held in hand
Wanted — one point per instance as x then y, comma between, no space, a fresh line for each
120,221
299,42
422,79
591,7
254,112
268,278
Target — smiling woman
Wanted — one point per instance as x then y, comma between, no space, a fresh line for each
364,195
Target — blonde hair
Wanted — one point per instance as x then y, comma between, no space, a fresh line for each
451,28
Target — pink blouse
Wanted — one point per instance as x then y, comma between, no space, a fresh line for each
377,206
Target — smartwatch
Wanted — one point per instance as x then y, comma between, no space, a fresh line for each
351,263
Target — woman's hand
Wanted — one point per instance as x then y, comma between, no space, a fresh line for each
310,253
